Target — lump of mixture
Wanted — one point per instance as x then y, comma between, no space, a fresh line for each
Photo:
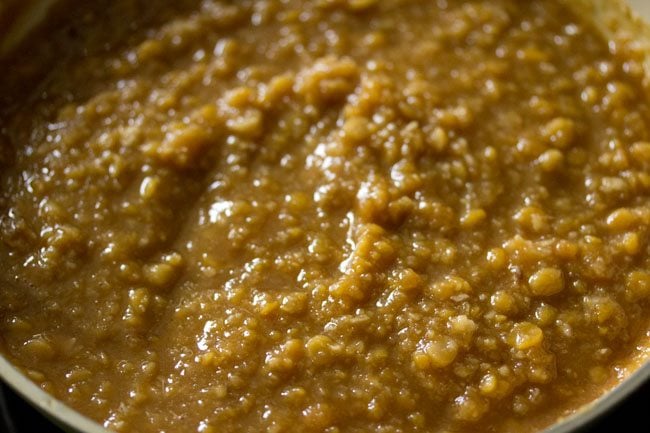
324,216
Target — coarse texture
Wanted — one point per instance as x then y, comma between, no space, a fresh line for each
324,216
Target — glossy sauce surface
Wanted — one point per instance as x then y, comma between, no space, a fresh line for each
324,216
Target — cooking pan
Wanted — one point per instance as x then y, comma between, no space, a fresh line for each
616,19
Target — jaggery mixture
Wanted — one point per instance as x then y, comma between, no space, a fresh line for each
335,216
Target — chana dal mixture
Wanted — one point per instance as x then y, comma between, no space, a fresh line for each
324,215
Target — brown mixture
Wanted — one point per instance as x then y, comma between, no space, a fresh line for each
324,216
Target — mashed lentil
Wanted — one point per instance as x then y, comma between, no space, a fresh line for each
324,216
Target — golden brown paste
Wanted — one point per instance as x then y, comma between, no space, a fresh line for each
324,216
